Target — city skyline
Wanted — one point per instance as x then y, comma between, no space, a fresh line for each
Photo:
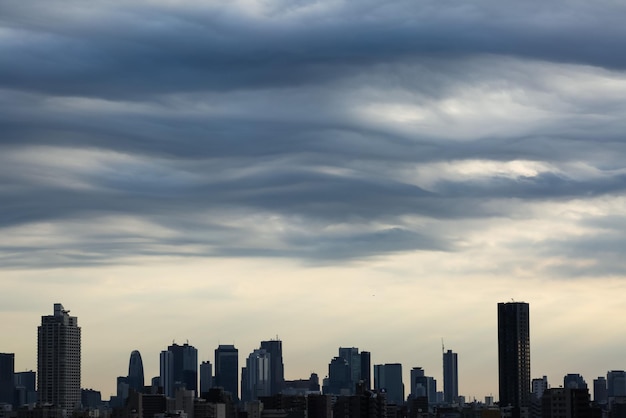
501,313
372,174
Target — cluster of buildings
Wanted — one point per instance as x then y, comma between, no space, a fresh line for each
187,388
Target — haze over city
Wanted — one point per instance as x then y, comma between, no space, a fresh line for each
360,174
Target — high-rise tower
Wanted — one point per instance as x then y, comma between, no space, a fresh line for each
514,355
136,380
277,369
227,369
7,372
179,369
450,377
58,359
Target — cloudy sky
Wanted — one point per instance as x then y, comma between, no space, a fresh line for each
377,174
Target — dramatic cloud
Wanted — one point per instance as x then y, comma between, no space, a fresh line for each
469,141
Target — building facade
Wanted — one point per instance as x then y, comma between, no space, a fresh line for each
514,355
136,379
227,369
388,378
450,377
277,368
58,359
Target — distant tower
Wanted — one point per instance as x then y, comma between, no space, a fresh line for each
166,376
256,376
514,355
58,359
600,391
277,369
7,371
206,376
227,369
389,377
450,377
136,380
352,356
366,369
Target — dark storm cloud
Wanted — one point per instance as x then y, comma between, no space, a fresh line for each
70,48
212,123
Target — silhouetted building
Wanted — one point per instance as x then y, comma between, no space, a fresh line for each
364,404
338,382
218,396
616,383
319,406
206,376
422,385
366,369
136,379
353,358
450,377
7,371
565,403
184,367
277,369
227,369
166,376
58,359
388,377
574,381
25,388
255,377
514,355
600,394
91,399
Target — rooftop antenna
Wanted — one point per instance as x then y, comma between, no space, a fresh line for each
442,347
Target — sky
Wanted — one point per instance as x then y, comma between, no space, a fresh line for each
376,174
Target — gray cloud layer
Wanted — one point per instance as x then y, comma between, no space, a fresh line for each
319,131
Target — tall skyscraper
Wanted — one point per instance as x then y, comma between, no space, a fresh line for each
58,359
166,375
179,369
256,376
366,369
136,379
514,355
616,383
227,369
206,376
7,371
352,356
422,385
389,377
277,369
450,377
600,394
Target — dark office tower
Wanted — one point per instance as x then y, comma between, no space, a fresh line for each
514,355
58,359
277,369
184,367
227,369
206,376
389,378
166,376
450,377
352,356
7,371
136,380
338,382
423,386
616,383
600,395
574,381
366,369
25,386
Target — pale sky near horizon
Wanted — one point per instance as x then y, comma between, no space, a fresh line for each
370,174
